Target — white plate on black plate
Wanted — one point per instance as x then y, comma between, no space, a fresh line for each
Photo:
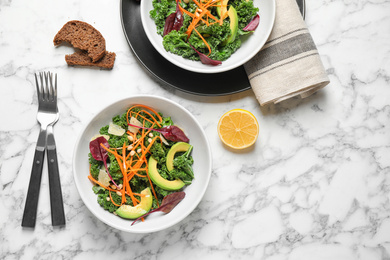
217,84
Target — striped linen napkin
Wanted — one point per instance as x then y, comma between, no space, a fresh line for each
289,64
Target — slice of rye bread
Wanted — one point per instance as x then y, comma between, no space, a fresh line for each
82,36
81,58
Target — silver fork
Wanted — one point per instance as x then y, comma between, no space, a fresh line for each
47,116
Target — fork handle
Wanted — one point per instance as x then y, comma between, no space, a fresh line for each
56,202
30,208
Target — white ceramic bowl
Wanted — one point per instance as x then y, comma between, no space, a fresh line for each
251,44
194,192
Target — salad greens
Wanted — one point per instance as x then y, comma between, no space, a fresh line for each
119,157
183,167
168,203
204,27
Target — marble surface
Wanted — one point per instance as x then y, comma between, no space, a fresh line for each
315,185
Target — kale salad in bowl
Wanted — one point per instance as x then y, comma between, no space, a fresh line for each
208,36
142,164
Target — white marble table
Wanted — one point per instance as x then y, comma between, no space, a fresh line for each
315,186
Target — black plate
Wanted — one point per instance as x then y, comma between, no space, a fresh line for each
216,84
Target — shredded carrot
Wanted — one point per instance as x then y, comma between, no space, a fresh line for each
205,10
193,24
207,45
124,172
186,12
148,108
146,112
139,194
99,183
143,117
222,14
201,12
113,202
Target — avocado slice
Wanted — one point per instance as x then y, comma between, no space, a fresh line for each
222,11
178,147
160,181
233,24
129,212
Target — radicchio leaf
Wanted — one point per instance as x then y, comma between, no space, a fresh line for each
99,153
169,23
171,133
252,25
174,21
205,59
168,203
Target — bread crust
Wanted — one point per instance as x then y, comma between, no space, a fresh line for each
81,58
83,36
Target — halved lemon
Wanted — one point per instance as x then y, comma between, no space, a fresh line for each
238,128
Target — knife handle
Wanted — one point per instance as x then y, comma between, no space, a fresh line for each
30,208
56,202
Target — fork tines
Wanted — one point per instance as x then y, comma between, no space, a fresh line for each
43,90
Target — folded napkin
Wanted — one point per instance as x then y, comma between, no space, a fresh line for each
289,64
